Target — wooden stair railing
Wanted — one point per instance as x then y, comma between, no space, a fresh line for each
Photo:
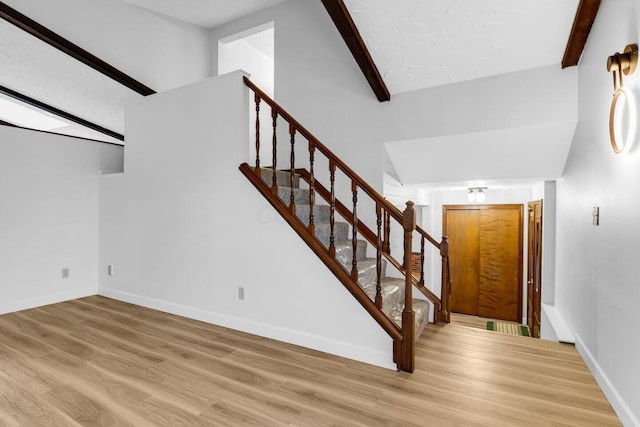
385,214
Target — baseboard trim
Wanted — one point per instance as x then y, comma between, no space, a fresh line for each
291,336
47,300
620,407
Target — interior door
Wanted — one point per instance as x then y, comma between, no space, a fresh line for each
459,225
534,267
485,252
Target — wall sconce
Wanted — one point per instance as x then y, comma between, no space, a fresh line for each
622,63
476,194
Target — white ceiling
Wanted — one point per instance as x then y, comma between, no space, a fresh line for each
415,43
206,13
424,43
52,76
420,44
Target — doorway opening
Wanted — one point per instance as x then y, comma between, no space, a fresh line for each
534,268
486,259
252,51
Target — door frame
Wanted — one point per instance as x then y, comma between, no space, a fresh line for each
520,207
534,271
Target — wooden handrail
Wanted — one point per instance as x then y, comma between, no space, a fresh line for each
361,183
404,336
387,324
371,237
427,236
347,215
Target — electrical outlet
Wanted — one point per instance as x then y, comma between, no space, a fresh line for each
65,273
111,270
240,292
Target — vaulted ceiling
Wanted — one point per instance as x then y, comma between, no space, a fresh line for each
206,13
414,44
420,44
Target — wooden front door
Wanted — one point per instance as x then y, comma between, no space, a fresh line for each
534,267
485,253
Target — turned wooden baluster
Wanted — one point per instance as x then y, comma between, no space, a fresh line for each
408,316
312,191
332,211
445,286
387,232
274,153
422,260
354,233
292,197
257,100
379,256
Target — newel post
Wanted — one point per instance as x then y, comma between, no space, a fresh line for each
408,316
445,285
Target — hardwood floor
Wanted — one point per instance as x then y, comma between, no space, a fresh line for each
96,361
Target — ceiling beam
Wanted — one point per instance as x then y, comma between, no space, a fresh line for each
349,32
58,112
46,35
585,16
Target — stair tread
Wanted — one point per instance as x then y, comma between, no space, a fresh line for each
392,289
368,263
394,280
421,311
348,243
283,177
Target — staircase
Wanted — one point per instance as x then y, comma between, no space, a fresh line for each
358,256
392,289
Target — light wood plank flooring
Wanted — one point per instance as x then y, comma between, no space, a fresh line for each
96,361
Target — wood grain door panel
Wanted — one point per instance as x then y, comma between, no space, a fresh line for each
498,284
464,265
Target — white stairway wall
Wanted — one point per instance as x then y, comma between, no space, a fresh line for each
597,290
49,216
184,229
319,83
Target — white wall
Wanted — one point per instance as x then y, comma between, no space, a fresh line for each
239,54
184,229
159,51
597,288
49,216
319,83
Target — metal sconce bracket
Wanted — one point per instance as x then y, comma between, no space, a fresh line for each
622,63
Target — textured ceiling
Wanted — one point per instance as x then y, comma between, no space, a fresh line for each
415,44
206,13
420,44
37,70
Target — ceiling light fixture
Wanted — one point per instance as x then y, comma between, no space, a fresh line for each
622,63
476,194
